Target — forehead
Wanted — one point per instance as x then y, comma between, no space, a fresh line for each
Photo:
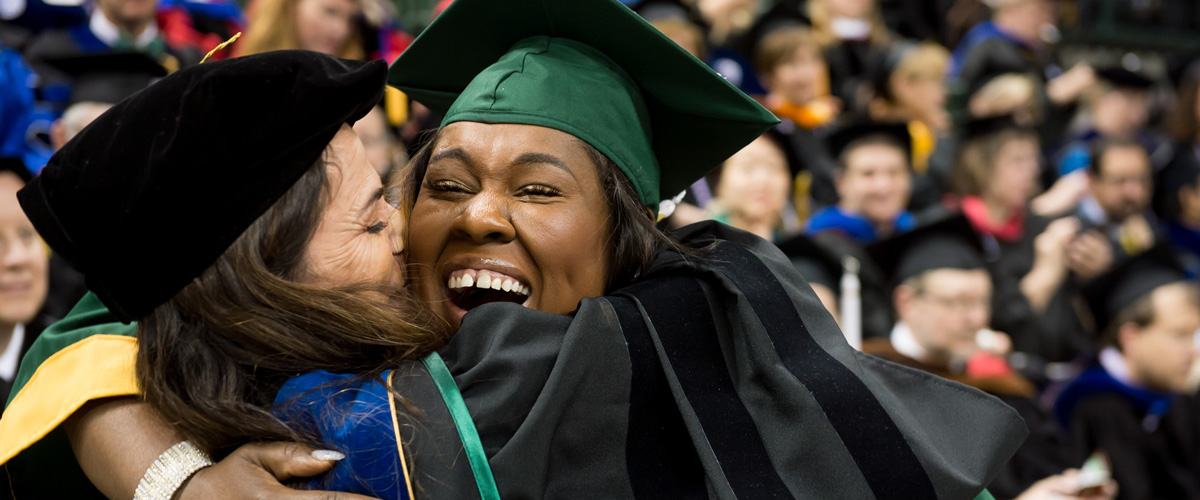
876,155
1176,305
958,281
498,144
1124,159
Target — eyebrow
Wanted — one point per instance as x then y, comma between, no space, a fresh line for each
371,201
524,159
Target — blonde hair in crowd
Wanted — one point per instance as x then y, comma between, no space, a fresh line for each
271,26
822,23
925,61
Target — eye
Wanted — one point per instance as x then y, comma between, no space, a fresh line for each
376,228
539,190
445,186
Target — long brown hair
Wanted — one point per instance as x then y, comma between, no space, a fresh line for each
212,358
272,26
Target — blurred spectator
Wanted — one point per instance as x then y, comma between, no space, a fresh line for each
350,29
1130,402
1005,93
16,109
678,22
381,142
820,265
113,25
98,81
850,32
727,22
319,25
1177,185
1018,39
943,301
24,275
1118,105
1029,254
874,183
752,188
1120,184
908,86
791,67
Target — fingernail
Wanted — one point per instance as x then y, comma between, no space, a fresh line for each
327,455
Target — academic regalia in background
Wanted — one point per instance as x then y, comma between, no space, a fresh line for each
854,226
1055,334
1182,171
1152,438
16,109
1076,153
951,243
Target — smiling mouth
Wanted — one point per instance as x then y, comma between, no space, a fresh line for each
471,288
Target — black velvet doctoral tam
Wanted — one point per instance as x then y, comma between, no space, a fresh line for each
149,195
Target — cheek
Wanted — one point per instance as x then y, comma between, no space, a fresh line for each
569,249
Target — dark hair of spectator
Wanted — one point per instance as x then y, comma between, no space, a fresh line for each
871,140
1098,149
212,358
635,239
976,160
780,45
1182,122
1141,313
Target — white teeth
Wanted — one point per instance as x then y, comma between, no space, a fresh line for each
485,280
507,286
496,284
466,281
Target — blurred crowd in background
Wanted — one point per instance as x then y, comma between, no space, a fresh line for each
1003,192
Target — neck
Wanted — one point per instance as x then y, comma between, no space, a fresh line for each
1014,27
997,212
133,28
6,333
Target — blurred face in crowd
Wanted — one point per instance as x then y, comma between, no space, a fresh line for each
381,147
1160,354
853,9
1014,173
509,213
755,181
1189,203
124,13
796,78
945,308
1122,184
324,25
921,97
1120,112
358,237
875,182
23,258
1025,18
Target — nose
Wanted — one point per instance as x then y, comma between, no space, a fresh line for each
15,253
485,218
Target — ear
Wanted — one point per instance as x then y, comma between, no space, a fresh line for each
1127,334
58,134
902,299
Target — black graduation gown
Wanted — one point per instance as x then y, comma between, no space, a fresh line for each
1161,463
713,377
1057,334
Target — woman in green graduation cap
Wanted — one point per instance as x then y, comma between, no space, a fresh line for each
709,371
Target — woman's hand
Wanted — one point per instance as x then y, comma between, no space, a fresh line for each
1089,254
257,471
1049,263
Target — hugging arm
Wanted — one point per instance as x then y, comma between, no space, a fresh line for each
116,440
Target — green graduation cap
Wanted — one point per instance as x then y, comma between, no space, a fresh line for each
590,68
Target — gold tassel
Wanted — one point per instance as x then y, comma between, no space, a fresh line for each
221,46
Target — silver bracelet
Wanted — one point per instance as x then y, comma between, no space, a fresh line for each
169,472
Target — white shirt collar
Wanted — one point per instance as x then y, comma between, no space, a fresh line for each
905,343
1091,210
109,33
1114,363
11,357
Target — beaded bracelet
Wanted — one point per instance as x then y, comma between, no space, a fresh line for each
169,472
